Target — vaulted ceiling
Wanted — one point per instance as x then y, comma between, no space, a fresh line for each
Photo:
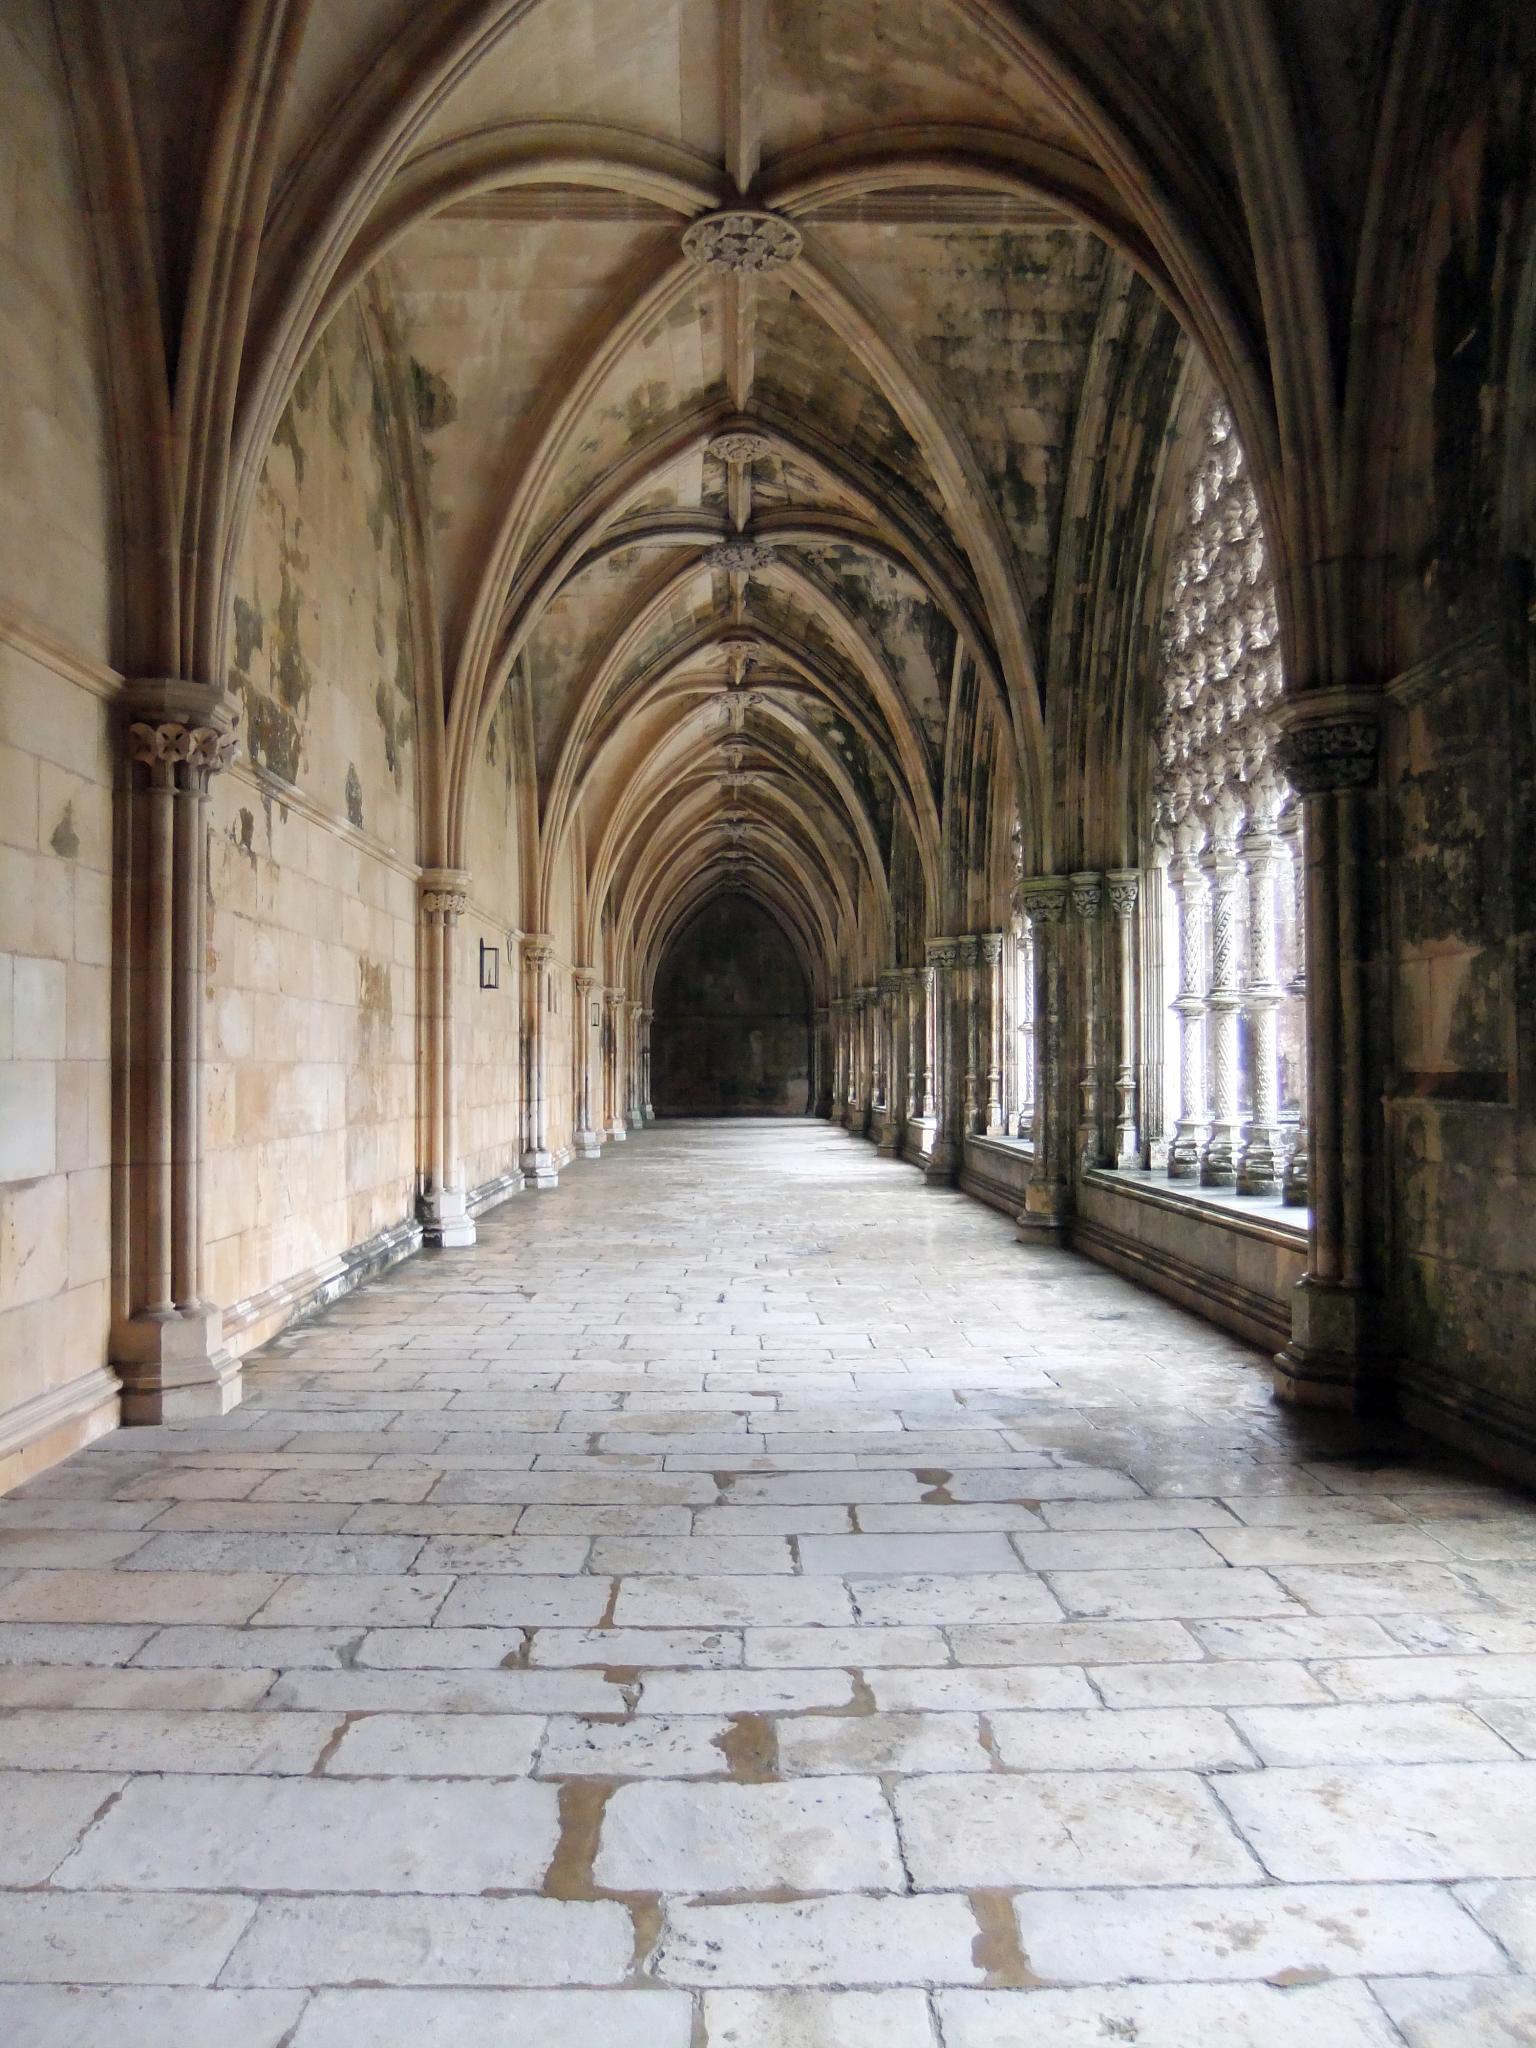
750,343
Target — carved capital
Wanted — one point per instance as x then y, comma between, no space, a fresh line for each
1045,898
942,952
1123,887
742,239
585,979
740,556
991,948
444,893
186,729
1087,896
1329,741
538,951
890,982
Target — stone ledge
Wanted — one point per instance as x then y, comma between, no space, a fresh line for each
1253,1216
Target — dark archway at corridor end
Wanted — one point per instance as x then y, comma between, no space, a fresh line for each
732,1029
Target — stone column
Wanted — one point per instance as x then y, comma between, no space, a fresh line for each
1224,995
539,1168
445,1218
588,1140
633,1114
930,1060
1087,903
967,1057
1328,754
917,1033
1189,1133
1048,1198
167,1337
944,1082
1260,1162
615,1129
1296,1189
823,1079
1025,1025
647,1108
867,1000
992,1012
890,1040
1123,888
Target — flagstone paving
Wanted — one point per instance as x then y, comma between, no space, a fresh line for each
750,1601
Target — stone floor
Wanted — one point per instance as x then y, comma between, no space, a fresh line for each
751,1602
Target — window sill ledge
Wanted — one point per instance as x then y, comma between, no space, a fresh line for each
1263,1216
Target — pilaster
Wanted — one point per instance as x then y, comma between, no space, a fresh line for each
539,1168
445,1218
1048,1198
167,1336
1329,755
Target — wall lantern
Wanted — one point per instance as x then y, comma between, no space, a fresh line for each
490,965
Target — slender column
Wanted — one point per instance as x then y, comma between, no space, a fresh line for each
864,1063
1123,887
1152,1018
647,1110
916,1039
167,1337
1224,996
615,1129
539,1167
1296,1190
1025,1025
633,1116
445,1217
1047,1199
1260,1163
965,1052
588,1141
890,1089
944,1083
1329,756
1184,871
930,1063
991,1012
1087,902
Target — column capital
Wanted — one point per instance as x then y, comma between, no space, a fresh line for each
968,949
173,725
1329,739
613,997
1123,888
991,944
941,952
538,949
890,981
1087,896
443,892
1045,898
585,979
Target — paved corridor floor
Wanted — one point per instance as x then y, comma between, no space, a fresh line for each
749,1601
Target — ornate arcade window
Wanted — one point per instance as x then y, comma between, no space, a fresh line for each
1227,839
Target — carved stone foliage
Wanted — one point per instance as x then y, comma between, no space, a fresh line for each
740,444
741,556
1216,726
743,240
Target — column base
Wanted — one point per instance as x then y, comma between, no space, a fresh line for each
648,1115
1330,1361
939,1168
445,1219
176,1369
890,1139
588,1145
540,1170
1044,1217
614,1133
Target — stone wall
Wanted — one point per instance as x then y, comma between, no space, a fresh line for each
55,780
732,1019
312,984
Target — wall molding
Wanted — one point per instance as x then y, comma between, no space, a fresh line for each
30,637
56,1423
273,787
1490,1427
317,1286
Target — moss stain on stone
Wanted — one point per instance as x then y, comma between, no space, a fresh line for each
65,840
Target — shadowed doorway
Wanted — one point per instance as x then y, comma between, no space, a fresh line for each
732,1033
